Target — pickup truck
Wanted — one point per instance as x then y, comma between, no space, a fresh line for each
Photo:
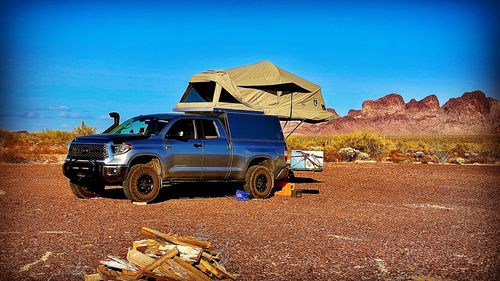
150,152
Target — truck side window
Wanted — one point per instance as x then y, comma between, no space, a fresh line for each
182,129
209,129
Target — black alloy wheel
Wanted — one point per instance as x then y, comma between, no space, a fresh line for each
145,184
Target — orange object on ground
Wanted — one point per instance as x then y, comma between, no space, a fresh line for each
286,188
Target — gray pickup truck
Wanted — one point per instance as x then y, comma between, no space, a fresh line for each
149,152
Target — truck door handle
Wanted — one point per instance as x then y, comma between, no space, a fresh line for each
197,145
167,147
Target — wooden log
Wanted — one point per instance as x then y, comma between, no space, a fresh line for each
139,259
93,277
210,257
223,270
187,253
106,274
170,254
140,245
148,232
169,269
159,277
195,273
203,269
212,268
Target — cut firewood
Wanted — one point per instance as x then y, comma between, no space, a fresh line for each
163,257
187,253
212,268
93,277
106,273
148,232
167,269
223,270
140,245
159,278
118,263
197,275
155,248
203,269
210,257
170,254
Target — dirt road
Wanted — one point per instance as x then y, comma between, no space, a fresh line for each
369,221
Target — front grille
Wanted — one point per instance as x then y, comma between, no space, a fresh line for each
88,151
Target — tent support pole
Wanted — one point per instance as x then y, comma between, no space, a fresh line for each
294,129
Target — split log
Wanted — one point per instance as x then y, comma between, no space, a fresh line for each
223,270
210,257
93,277
212,268
148,232
204,269
169,268
195,273
170,254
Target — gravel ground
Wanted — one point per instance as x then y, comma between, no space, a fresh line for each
369,221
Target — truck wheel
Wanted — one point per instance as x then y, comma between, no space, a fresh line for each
259,182
86,191
142,183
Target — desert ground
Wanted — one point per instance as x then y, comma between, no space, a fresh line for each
358,222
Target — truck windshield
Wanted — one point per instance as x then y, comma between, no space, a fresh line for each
141,126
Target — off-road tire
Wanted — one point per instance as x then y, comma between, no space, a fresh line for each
142,183
86,191
259,182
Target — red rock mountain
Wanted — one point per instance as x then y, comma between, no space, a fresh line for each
472,113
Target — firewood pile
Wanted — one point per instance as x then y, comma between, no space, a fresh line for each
162,257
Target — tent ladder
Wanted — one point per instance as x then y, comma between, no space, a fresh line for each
294,129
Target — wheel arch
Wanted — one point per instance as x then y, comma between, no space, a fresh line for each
265,161
147,158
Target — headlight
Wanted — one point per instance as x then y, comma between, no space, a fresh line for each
122,148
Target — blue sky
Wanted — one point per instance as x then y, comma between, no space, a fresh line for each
67,61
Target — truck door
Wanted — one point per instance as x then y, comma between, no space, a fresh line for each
184,151
216,151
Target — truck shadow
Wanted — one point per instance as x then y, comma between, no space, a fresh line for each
303,180
197,190
194,190
181,191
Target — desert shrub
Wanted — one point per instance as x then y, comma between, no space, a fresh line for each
84,130
441,151
403,149
373,144
21,147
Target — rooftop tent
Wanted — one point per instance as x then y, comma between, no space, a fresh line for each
261,87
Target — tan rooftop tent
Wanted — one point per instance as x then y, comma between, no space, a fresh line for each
261,87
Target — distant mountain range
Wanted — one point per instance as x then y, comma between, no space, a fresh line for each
472,113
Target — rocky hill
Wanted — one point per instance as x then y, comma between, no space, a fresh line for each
472,113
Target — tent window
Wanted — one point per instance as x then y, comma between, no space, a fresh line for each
225,96
200,92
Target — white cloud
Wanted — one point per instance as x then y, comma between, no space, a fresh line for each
59,108
64,125
29,114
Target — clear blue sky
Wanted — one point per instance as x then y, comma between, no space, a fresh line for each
64,61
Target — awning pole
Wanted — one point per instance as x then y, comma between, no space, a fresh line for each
294,129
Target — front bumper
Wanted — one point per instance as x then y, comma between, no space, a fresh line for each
91,170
